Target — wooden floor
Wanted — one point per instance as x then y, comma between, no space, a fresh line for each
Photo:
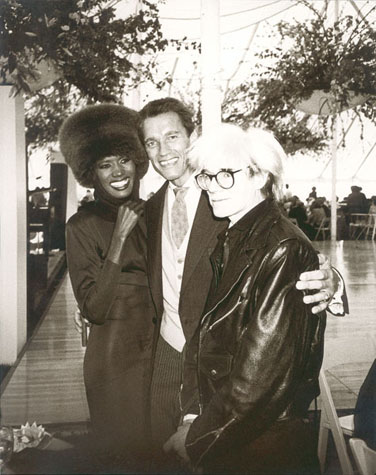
47,385
356,260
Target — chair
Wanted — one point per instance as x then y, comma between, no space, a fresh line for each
369,227
323,228
365,458
358,223
342,351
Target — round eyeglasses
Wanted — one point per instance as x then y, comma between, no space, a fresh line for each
224,178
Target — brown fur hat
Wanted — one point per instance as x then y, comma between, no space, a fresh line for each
100,131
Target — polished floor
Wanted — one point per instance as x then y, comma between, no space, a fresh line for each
47,385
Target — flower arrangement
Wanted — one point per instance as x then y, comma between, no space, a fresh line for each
30,436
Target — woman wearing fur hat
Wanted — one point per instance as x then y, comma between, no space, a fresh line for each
106,262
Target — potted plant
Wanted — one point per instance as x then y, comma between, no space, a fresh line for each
64,54
333,64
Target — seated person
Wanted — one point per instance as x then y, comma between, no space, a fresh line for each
372,208
317,213
356,201
365,410
298,212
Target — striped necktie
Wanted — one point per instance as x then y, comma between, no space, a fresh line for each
179,217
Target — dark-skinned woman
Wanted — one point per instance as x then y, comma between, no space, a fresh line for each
106,262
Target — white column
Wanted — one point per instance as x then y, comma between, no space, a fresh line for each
333,218
211,95
13,236
333,222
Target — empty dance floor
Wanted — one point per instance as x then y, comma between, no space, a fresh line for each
47,385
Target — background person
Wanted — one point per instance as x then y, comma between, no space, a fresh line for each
313,193
298,212
106,262
251,370
372,208
317,213
356,201
365,409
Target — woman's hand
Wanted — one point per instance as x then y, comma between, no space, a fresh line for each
127,218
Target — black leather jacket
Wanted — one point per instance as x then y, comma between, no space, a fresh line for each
259,348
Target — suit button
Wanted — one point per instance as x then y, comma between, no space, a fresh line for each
154,320
213,372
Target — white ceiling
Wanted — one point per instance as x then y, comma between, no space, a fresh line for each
244,26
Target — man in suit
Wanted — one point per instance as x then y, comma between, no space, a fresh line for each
182,233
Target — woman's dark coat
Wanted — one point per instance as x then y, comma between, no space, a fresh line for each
116,300
259,351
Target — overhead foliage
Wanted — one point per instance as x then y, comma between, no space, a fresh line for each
259,104
95,55
339,58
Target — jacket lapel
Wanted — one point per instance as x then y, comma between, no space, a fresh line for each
236,267
241,258
154,216
202,240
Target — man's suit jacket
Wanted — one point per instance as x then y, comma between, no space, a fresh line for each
197,273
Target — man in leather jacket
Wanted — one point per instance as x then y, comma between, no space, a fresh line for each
251,369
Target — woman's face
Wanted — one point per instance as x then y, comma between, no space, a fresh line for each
116,175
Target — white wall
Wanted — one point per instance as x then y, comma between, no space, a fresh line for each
13,248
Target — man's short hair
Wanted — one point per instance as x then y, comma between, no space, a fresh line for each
169,104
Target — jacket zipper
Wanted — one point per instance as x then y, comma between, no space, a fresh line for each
239,301
225,296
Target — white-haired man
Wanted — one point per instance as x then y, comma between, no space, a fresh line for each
251,369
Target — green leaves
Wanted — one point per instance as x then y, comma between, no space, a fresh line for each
313,54
96,54
261,104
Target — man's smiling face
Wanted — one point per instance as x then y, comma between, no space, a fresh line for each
166,142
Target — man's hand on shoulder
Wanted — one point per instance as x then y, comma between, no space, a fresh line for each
326,281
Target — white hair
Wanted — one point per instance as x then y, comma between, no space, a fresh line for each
255,148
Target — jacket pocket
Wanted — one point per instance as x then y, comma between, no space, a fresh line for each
215,366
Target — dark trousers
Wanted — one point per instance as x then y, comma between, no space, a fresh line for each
165,407
287,448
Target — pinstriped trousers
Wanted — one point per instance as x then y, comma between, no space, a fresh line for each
165,386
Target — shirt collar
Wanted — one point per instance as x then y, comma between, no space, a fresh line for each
190,183
246,222
249,218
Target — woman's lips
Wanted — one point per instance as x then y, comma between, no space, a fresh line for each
121,184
